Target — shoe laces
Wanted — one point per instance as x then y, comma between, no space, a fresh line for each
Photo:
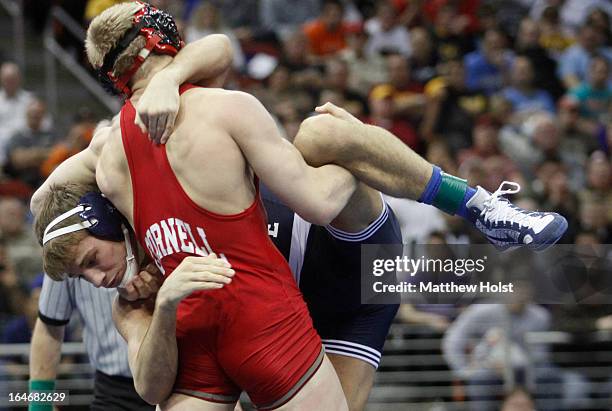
496,208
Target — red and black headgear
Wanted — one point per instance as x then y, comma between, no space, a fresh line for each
161,33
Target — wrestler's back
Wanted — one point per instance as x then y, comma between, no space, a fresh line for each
207,162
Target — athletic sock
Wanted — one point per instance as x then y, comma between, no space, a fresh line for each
448,193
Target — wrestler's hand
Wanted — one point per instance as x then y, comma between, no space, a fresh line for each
338,112
144,284
194,274
157,108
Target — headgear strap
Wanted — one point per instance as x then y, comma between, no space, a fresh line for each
81,225
122,81
162,36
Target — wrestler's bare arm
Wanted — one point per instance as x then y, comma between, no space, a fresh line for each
80,168
317,194
134,321
205,62
149,326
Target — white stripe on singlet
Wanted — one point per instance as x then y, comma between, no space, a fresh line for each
352,349
299,239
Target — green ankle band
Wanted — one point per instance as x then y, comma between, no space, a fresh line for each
451,193
40,386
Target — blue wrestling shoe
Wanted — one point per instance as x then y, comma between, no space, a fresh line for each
506,225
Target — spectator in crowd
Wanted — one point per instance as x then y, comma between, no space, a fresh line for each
538,138
599,182
594,96
451,107
522,93
279,91
385,33
337,74
585,133
21,244
424,57
78,137
582,319
206,20
242,16
408,96
365,70
450,37
487,68
439,152
434,318
28,149
575,62
293,55
554,37
465,18
327,34
601,20
20,329
508,14
544,67
284,16
11,294
593,217
573,13
488,340
590,239
485,149
382,115
553,187
484,140
13,104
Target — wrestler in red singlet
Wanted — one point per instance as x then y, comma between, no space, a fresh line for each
254,334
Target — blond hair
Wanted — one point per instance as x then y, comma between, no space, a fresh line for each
106,30
59,253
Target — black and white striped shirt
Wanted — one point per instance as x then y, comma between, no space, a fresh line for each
107,350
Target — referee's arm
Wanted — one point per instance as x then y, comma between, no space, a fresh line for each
45,350
54,310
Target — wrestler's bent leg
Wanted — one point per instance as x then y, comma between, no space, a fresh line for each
364,207
323,392
373,155
382,161
357,379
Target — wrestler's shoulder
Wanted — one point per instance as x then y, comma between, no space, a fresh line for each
221,105
219,96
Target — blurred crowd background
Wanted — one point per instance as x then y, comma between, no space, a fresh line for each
490,90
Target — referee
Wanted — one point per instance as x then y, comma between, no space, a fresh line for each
113,387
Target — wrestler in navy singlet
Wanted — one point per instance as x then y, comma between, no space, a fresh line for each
326,265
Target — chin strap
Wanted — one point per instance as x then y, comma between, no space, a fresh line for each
131,267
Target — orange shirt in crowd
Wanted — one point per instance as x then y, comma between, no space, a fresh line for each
323,42
78,139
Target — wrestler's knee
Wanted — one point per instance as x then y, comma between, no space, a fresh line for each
320,139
